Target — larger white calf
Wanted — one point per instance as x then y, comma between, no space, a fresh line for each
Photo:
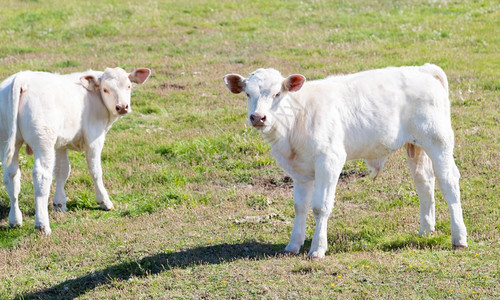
52,113
315,127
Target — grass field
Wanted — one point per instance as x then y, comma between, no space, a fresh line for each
202,209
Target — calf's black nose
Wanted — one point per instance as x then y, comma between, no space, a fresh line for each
257,119
121,109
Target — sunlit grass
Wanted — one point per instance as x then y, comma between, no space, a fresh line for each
202,209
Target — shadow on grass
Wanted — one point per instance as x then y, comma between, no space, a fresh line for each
156,264
4,211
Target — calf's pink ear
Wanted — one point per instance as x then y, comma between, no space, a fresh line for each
294,82
235,83
90,82
139,75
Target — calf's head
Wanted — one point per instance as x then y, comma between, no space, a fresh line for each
115,87
264,88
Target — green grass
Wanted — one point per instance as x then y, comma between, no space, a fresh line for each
202,209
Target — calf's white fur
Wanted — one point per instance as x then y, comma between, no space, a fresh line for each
52,113
315,127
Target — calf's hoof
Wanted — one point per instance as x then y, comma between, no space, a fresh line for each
459,247
43,230
289,253
108,206
315,258
315,255
59,207
426,231
292,249
15,218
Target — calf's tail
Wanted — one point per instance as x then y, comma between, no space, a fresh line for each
437,73
12,112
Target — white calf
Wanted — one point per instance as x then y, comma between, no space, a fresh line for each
314,127
52,113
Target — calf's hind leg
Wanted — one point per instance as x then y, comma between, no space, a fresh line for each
448,176
42,179
421,170
12,180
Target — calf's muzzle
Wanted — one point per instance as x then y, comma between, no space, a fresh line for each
121,109
257,119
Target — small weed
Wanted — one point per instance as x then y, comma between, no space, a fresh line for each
258,202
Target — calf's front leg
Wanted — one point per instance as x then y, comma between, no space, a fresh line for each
93,157
302,195
327,172
62,170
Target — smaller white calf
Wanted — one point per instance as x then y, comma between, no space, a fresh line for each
315,127
52,113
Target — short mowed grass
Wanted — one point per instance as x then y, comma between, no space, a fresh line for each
202,209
